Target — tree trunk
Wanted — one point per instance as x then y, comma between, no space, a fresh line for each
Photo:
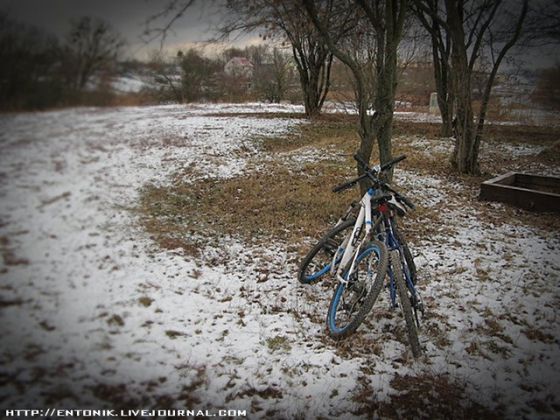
380,126
446,118
310,97
385,92
367,133
445,97
388,23
384,136
83,75
440,57
490,82
314,75
464,158
457,18
465,154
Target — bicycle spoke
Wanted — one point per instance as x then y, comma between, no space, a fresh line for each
353,300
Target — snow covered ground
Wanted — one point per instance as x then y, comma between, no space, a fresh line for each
95,315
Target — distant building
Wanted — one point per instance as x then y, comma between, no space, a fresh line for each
239,67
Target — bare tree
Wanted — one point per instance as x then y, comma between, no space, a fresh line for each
92,44
280,19
284,21
197,73
171,13
474,28
272,75
547,92
382,23
30,66
441,51
166,76
543,23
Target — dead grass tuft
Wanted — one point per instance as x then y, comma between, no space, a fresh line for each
535,334
145,301
552,153
278,343
425,396
116,320
173,334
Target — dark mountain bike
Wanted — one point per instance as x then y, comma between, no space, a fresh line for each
360,252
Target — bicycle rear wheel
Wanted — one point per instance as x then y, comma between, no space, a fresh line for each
352,301
405,300
318,261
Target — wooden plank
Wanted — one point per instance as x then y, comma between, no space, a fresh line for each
543,183
506,179
521,197
538,179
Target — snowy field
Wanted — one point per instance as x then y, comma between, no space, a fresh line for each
95,315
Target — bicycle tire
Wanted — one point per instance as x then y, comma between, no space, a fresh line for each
407,255
402,289
328,245
373,289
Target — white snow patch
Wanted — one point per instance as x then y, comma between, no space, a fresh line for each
87,298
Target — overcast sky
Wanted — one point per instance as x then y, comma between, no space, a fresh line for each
127,16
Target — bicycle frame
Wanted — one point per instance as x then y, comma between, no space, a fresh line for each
384,231
386,234
350,243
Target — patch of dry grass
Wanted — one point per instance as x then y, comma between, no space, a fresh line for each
425,396
275,204
320,133
433,396
521,134
279,202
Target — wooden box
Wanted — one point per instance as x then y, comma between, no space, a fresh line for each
529,192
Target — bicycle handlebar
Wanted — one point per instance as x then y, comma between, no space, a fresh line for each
393,162
384,167
371,173
349,184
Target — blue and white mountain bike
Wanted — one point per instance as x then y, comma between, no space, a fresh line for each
360,252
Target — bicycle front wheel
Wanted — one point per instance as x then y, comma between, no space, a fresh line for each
405,300
318,261
352,300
